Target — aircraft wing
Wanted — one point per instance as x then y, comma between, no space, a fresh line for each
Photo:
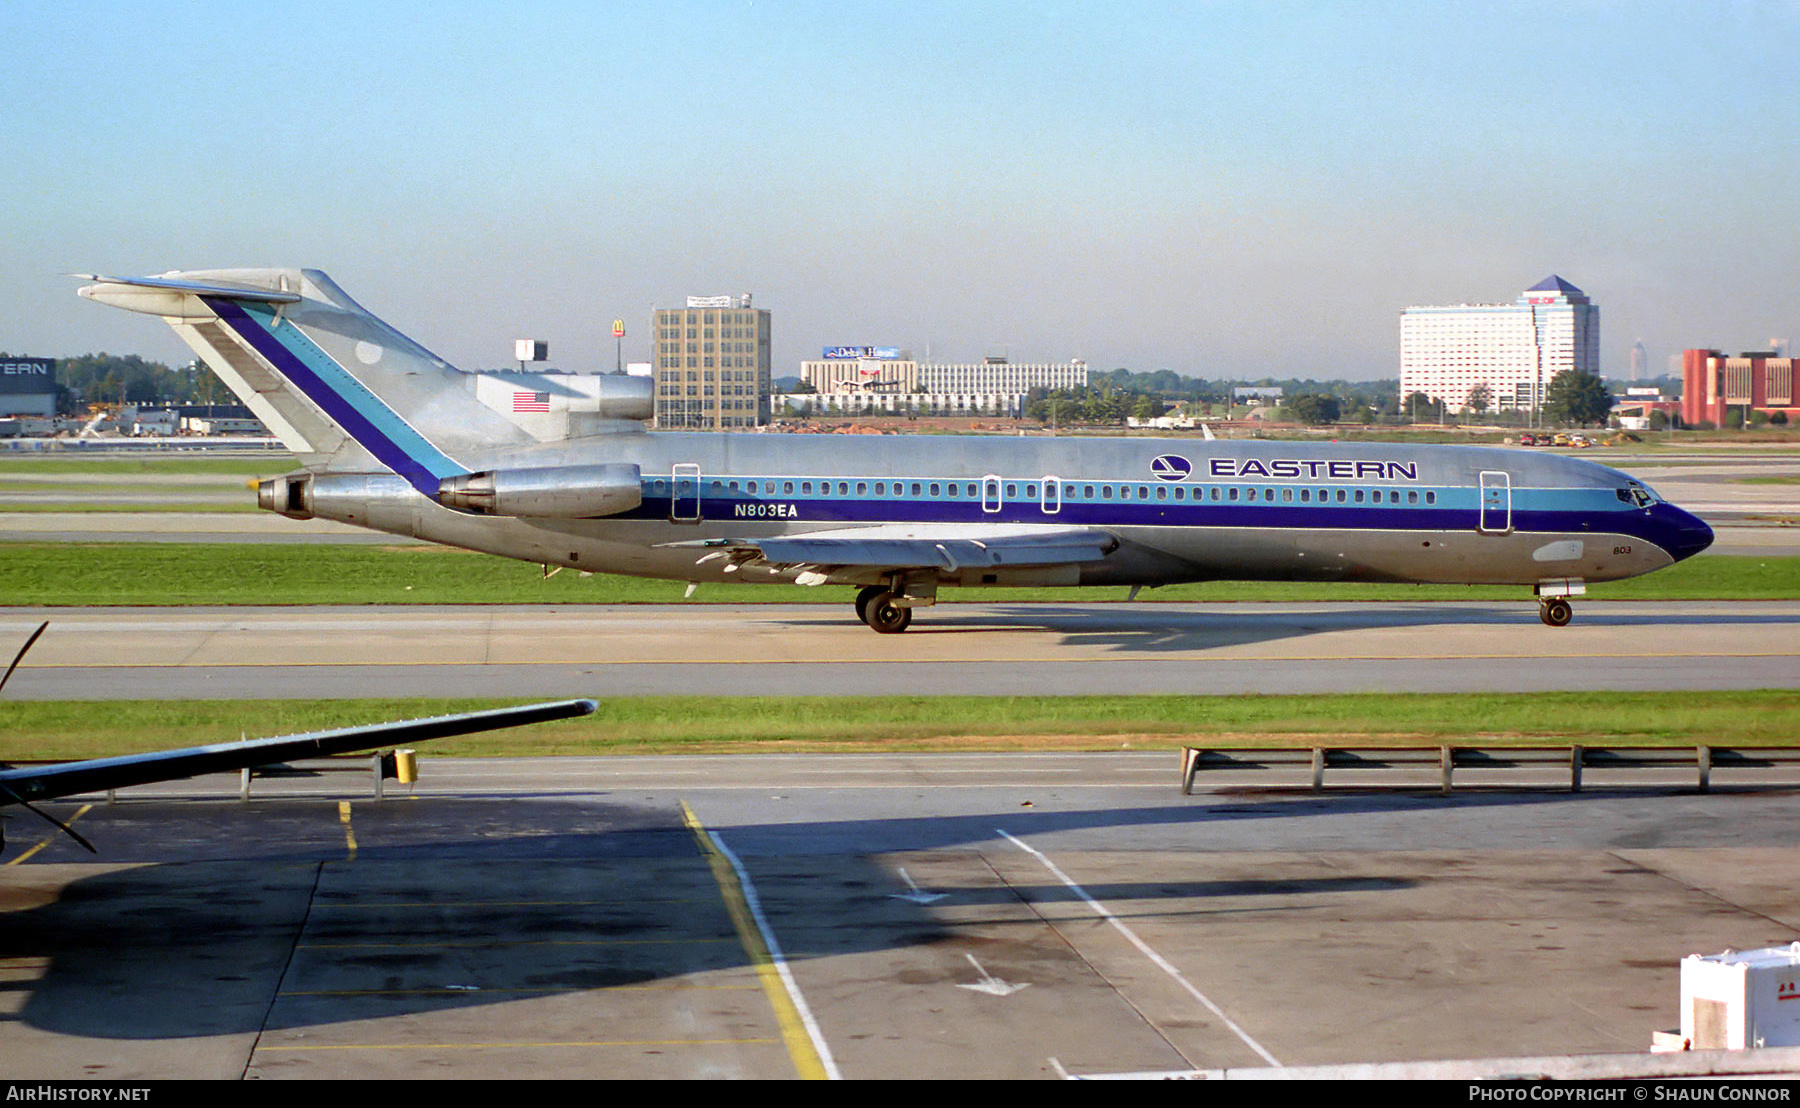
44,782
948,547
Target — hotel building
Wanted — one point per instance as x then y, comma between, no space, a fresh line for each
1515,349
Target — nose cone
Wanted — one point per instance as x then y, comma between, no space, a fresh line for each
1684,534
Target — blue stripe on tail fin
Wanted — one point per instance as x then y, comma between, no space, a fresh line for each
344,399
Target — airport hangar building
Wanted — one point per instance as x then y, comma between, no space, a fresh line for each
28,387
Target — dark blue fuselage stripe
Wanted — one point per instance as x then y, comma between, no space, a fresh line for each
336,406
722,512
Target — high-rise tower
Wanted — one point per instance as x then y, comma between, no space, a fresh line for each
1513,349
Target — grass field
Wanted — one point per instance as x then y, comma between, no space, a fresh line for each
80,574
710,725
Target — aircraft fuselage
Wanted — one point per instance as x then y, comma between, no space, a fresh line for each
1182,509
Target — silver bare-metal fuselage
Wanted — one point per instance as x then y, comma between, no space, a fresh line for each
1245,510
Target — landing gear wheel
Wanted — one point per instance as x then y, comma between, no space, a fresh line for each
1555,612
885,616
864,598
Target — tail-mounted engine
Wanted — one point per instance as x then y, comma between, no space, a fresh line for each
554,492
550,492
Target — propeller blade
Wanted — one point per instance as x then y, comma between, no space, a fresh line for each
42,627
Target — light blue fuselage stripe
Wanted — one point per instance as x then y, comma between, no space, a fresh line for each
346,400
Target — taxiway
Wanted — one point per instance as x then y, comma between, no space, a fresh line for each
962,649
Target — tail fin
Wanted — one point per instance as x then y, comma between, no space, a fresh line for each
338,387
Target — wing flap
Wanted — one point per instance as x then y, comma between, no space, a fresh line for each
946,548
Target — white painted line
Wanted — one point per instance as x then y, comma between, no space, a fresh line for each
1143,947
780,960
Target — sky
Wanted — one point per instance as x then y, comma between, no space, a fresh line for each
1221,188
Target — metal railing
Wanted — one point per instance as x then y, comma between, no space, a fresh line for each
1448,759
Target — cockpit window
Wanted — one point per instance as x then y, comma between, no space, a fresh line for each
1636,494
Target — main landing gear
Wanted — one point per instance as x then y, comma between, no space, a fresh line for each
877,607
1555,611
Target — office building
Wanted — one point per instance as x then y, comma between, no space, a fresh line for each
1514,350
712,364
1714,384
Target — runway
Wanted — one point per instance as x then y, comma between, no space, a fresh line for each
953,649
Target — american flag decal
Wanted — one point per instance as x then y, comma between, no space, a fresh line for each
531,402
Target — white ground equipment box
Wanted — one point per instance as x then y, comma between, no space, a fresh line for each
1741,998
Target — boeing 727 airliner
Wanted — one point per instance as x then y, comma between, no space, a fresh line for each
395,439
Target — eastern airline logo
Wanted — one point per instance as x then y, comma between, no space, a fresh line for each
1171,467
1313,469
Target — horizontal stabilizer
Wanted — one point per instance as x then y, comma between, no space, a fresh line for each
108,290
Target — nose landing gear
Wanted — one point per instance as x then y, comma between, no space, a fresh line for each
1555,611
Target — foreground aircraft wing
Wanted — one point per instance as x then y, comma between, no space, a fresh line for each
948,548
21,786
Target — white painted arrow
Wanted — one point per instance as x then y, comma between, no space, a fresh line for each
918,895
990,984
